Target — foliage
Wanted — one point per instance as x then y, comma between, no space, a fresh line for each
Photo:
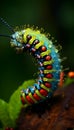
9,111
68,81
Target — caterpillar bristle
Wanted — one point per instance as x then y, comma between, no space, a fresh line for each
61,67
28,25
42,30
66,69
36,28
16,28
25,26
55,41
48,35
32,27
52,38
20,27
58,47
63,59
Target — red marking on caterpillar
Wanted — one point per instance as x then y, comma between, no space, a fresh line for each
36,97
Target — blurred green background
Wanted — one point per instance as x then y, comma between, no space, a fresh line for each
55,16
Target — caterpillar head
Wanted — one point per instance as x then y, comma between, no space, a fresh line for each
17,39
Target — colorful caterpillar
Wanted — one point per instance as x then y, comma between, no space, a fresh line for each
48,59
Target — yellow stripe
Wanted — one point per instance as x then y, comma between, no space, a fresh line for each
38,45
37,32
32,39
44,87
26,99
48,62
25,37
45,53
38,93
48,71
31,96
49,80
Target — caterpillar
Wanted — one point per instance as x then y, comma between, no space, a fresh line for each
48,58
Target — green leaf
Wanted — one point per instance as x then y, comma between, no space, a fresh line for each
4,115
15,104
68,81
27,83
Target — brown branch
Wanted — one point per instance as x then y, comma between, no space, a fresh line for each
55,114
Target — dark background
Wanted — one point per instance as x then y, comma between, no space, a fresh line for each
55,16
